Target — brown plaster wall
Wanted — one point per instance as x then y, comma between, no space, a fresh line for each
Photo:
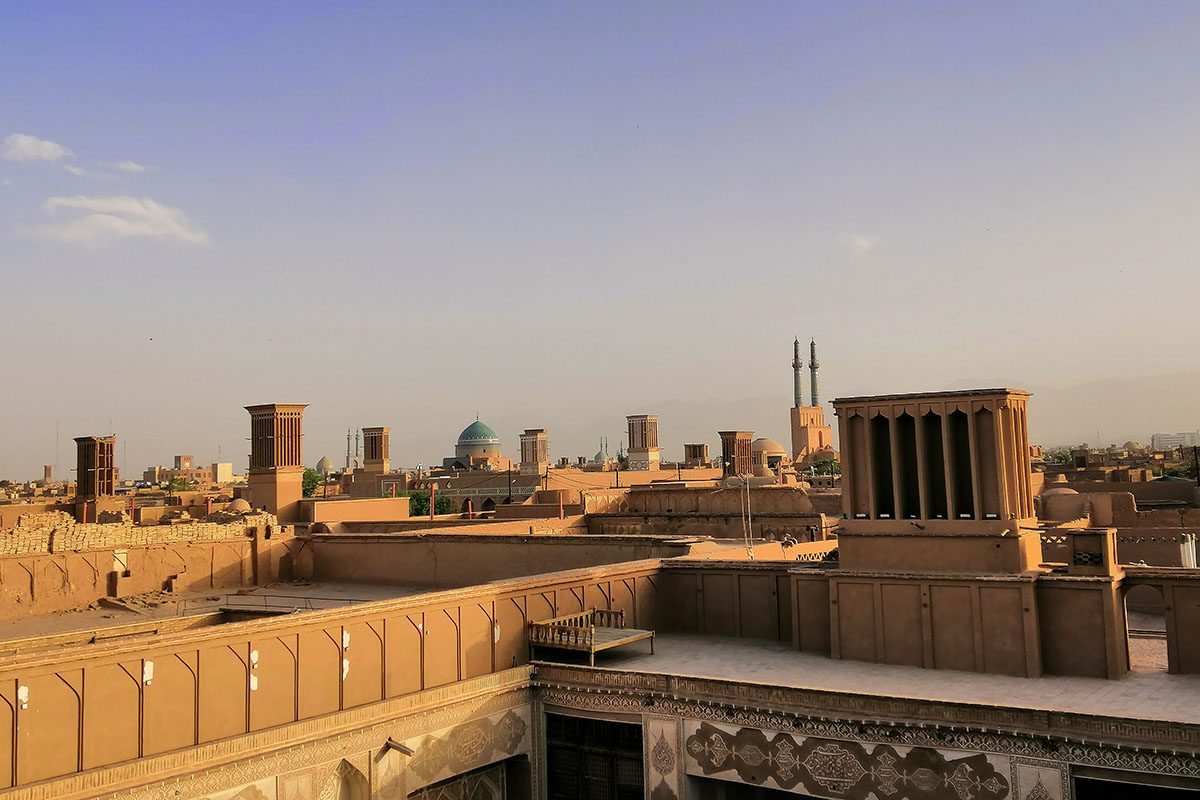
801,528
374,509
92,706
980,554
1077,629
715,500
738,599
71,566
449,559
976,625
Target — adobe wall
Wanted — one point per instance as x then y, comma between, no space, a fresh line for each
1078,618
719,500
51,563
604,501
184,702
536,511
10,512
450,559
742,599
373,509
1158,547
802,528
460,524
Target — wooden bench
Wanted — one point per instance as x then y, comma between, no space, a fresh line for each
590,632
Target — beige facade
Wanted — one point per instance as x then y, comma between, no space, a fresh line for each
535,451
276,468
737,456
644,452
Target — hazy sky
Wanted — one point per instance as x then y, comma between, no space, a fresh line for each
557,213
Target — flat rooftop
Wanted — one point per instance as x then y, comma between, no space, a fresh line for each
146,614
1151,695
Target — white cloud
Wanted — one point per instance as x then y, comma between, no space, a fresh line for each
23,147
127,166
107,219
6,182
84,173
859,243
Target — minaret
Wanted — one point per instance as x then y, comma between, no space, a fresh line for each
813,366
797,365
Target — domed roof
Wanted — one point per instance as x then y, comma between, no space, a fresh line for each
478,433
768,446
324,465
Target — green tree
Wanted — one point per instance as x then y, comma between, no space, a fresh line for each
418,504
1058,457
1185,470
827,466
177,484
312,479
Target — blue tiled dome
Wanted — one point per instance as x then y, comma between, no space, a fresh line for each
476,434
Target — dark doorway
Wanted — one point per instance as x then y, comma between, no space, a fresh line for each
593,759
1096,789
711,789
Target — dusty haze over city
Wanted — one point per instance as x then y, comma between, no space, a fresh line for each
555,216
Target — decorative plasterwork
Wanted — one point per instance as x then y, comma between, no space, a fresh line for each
941,737
662,738
832,768
471,745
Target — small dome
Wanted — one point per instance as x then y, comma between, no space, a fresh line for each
767,446
324,465
477,433
239,506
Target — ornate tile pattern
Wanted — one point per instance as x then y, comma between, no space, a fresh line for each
832,768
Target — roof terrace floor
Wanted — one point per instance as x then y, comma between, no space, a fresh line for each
275,598
1151,695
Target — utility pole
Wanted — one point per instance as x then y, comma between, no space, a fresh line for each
1196,462
509,470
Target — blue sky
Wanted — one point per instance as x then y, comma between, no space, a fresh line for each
559,213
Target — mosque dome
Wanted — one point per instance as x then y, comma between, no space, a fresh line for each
324,465
768,447
1057,486
477,434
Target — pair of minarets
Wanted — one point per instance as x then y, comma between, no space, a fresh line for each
813,366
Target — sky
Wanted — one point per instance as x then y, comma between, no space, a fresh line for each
554,214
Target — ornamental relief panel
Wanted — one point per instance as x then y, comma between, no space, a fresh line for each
662,740
468,746
842,769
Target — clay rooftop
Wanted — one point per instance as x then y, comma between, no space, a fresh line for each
1148,695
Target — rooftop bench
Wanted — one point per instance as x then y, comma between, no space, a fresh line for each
590,632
